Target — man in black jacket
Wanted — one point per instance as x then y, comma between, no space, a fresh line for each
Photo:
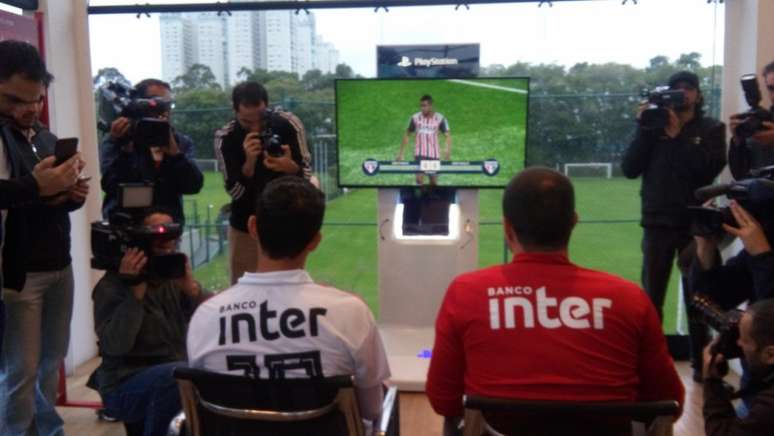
756,339
38,285
248,166
673,162
756,151
141,326
171,169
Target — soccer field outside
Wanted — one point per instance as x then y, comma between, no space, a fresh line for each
607,238
487,119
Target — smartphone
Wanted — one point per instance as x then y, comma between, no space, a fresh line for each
64,149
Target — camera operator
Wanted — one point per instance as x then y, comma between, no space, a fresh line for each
38,285
248,163
689,152
757,150
141,324
748,276
756,339
170,168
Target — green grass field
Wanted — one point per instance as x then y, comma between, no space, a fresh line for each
607,238
484,123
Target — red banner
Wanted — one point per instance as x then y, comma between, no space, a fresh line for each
18,27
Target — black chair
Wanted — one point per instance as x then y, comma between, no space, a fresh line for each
226,405
494,416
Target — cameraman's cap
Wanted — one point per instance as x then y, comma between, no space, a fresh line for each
684,77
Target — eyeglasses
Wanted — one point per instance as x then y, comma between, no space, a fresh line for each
16,101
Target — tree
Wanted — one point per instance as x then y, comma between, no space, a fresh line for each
344,71
585,113
109,74
197,76
689,61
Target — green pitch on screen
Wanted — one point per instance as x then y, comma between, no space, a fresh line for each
487,119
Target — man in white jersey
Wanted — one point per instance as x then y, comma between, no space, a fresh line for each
426,124
276,322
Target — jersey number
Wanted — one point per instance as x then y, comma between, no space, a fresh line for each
276,364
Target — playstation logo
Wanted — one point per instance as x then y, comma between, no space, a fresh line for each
404,62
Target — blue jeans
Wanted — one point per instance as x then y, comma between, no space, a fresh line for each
37,332
150,396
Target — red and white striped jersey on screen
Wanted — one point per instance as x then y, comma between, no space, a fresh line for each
427,129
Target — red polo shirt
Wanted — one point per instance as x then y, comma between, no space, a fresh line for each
542,328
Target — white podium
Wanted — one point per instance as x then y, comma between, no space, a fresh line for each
414,272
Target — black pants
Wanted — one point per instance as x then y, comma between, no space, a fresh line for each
660,245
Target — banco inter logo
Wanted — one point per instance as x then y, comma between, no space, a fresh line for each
522,307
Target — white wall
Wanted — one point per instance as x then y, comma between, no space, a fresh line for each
748,46
72,114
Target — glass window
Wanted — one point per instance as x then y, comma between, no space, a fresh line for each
588,62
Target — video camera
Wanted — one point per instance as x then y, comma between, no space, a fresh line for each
271,142
119,99
755,194
726,323
656,116
752,119
124,230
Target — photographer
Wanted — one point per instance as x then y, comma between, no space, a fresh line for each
255,148
689,152
756,151
38,278
141,324
748,276
169,167
756,339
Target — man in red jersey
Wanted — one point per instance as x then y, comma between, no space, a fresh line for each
541,327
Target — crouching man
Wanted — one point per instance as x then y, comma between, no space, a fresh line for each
141,325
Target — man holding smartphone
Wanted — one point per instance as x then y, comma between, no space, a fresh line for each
248,163
38,278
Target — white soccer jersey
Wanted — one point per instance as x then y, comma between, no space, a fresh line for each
282,324
426,129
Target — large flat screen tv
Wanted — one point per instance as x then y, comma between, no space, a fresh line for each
465,133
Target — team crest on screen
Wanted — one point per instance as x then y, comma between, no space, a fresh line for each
370,167
491,167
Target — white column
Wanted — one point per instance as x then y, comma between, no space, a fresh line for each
748,46
73,114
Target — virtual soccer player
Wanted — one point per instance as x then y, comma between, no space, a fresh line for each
425,125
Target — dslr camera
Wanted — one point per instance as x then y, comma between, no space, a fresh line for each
119,99
726,323
271,142
755,194
755,116
656,116
125,230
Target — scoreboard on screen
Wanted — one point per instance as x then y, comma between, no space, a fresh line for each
488,167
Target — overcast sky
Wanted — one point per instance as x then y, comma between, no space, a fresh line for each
569,32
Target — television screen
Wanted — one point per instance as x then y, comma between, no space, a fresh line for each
467,133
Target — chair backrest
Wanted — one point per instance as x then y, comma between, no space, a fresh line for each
541,418
225,405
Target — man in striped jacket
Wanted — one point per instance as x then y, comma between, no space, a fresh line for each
426,124
247,166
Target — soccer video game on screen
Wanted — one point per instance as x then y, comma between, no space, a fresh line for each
468,133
